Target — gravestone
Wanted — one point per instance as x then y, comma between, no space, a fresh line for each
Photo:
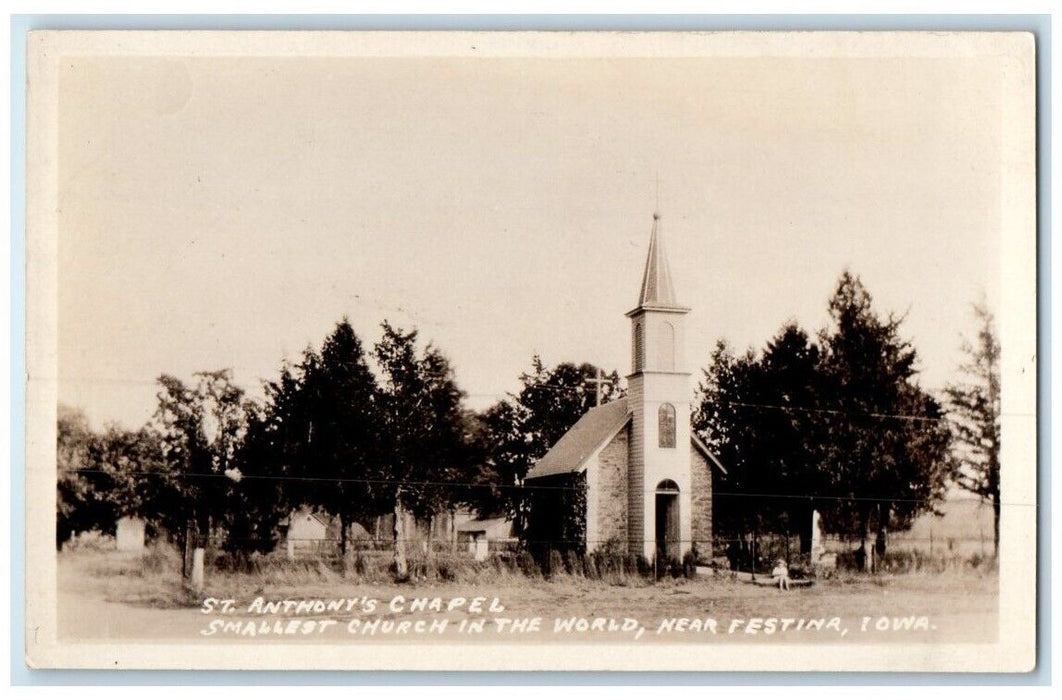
819,557
129,534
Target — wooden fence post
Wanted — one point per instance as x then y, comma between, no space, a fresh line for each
197,570
189,543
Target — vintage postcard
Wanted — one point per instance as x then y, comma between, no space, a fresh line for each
549,351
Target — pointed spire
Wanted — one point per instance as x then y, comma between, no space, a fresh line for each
657,290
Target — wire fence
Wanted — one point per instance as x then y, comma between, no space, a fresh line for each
470,557
746,552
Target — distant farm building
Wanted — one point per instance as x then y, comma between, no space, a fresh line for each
307,534
310,534
478,536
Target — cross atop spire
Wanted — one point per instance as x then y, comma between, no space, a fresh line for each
657,290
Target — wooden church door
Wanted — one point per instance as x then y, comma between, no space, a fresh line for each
667,520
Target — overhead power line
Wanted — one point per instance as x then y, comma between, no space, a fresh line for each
520,487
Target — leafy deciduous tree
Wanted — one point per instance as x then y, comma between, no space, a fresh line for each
520,430
80,506
106,476
200,427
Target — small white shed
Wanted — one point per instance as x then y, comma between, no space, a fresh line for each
307,533
477,534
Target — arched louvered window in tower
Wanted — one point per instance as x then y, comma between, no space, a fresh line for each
638,361
666,360
666,425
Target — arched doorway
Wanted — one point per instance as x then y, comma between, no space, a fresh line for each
668,544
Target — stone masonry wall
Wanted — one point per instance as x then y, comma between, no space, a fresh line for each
612,494
701,485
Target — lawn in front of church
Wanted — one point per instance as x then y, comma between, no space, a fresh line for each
107,595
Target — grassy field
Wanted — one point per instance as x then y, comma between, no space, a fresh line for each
105,595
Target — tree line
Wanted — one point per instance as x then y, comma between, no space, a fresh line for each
834,422
330,434
837,422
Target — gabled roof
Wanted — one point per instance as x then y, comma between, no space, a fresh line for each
708,454
482,524
589,434
657,291
304,512
597,426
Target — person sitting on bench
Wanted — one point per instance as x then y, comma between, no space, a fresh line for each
781,574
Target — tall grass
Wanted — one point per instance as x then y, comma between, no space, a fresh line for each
376,567
154,578
909,561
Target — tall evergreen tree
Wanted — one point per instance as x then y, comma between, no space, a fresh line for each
887,444
320,431
428,451
974,405
257,503
731,383
343,431
839,425
757,413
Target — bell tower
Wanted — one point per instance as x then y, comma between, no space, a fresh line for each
660,395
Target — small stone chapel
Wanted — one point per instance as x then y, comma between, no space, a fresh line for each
643,480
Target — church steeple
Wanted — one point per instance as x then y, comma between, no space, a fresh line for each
659,396
657,320
657,290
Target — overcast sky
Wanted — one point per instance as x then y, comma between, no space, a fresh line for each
227,212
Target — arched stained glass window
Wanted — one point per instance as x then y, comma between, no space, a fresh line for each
667,425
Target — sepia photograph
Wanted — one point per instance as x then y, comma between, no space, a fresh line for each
531,351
